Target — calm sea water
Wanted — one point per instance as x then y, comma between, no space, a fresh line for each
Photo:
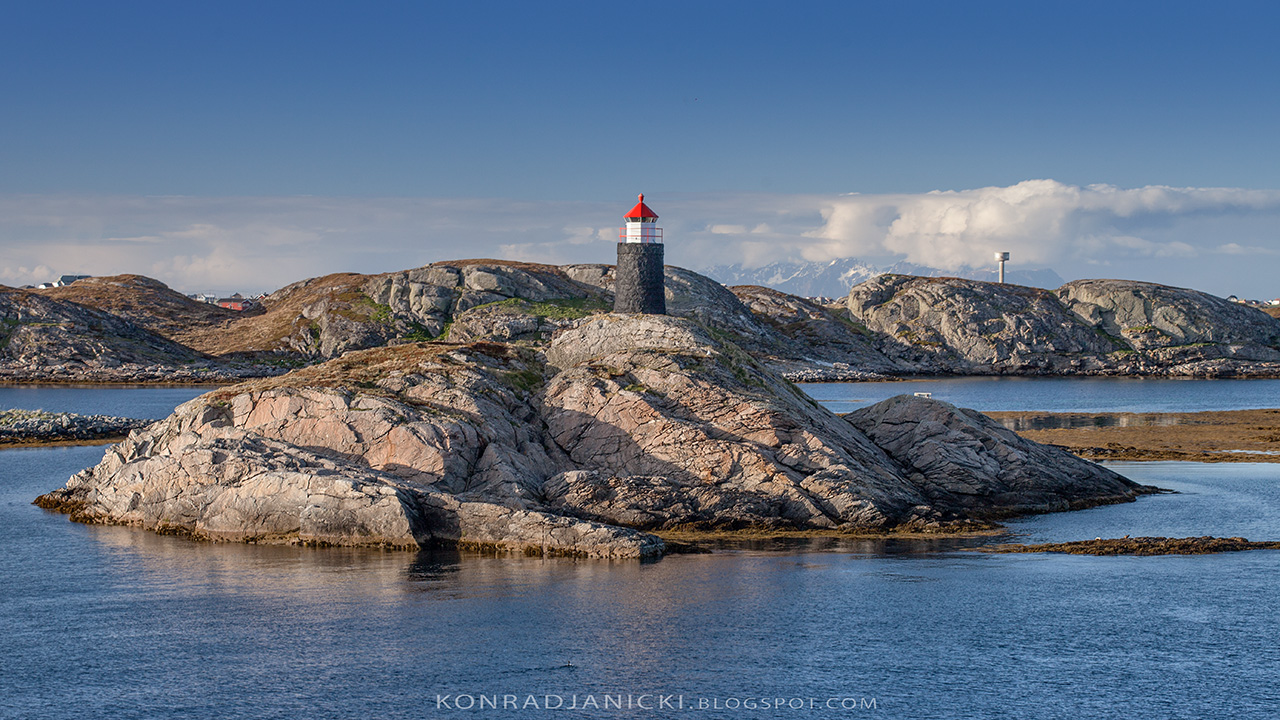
115,622
123,401
989,394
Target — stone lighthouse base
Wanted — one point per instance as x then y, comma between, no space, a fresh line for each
638,285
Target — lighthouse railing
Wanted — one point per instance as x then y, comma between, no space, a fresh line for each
645,233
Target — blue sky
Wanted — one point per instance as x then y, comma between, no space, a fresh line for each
521,129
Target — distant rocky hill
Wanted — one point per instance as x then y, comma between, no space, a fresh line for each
41,331
147,303
952,325
51,340
888,325
327,316
819,342
620,425
836,277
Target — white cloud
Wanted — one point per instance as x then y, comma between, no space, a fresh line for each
1039,221
1238,249
728,230
583,235
1189,236
27,276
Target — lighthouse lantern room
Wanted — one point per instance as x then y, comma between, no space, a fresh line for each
639,285
642,225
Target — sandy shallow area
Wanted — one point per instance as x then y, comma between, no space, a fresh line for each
1226,436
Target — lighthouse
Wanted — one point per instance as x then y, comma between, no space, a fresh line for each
638,283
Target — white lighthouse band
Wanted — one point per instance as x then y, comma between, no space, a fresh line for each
640,232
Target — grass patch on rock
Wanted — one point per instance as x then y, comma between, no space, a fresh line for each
557,309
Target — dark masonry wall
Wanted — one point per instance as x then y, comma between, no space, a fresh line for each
638,282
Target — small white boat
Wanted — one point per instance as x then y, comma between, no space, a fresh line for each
926,395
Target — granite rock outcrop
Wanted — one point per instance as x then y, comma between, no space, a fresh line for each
147,303
1088,327
963,459
623,425
818,342
1173,327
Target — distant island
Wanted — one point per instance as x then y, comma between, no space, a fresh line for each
130,328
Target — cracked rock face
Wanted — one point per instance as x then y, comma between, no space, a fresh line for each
443,293
957,325
673,429
818,338
962,459
1157,318
627,424
951,325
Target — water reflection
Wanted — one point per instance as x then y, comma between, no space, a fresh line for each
145,401
1061,394
1071,421
870,547
434,565
163,566
112,621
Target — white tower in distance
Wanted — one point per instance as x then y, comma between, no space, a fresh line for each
1001,257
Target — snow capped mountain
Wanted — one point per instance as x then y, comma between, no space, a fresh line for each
834,278
812,279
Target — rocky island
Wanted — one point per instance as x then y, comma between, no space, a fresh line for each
1141,546
36,427
615,428
133,329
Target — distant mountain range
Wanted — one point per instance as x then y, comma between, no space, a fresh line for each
835,278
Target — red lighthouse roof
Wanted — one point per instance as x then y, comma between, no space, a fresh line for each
640,211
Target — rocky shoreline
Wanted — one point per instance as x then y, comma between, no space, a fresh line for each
836,372
622,427
36,427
